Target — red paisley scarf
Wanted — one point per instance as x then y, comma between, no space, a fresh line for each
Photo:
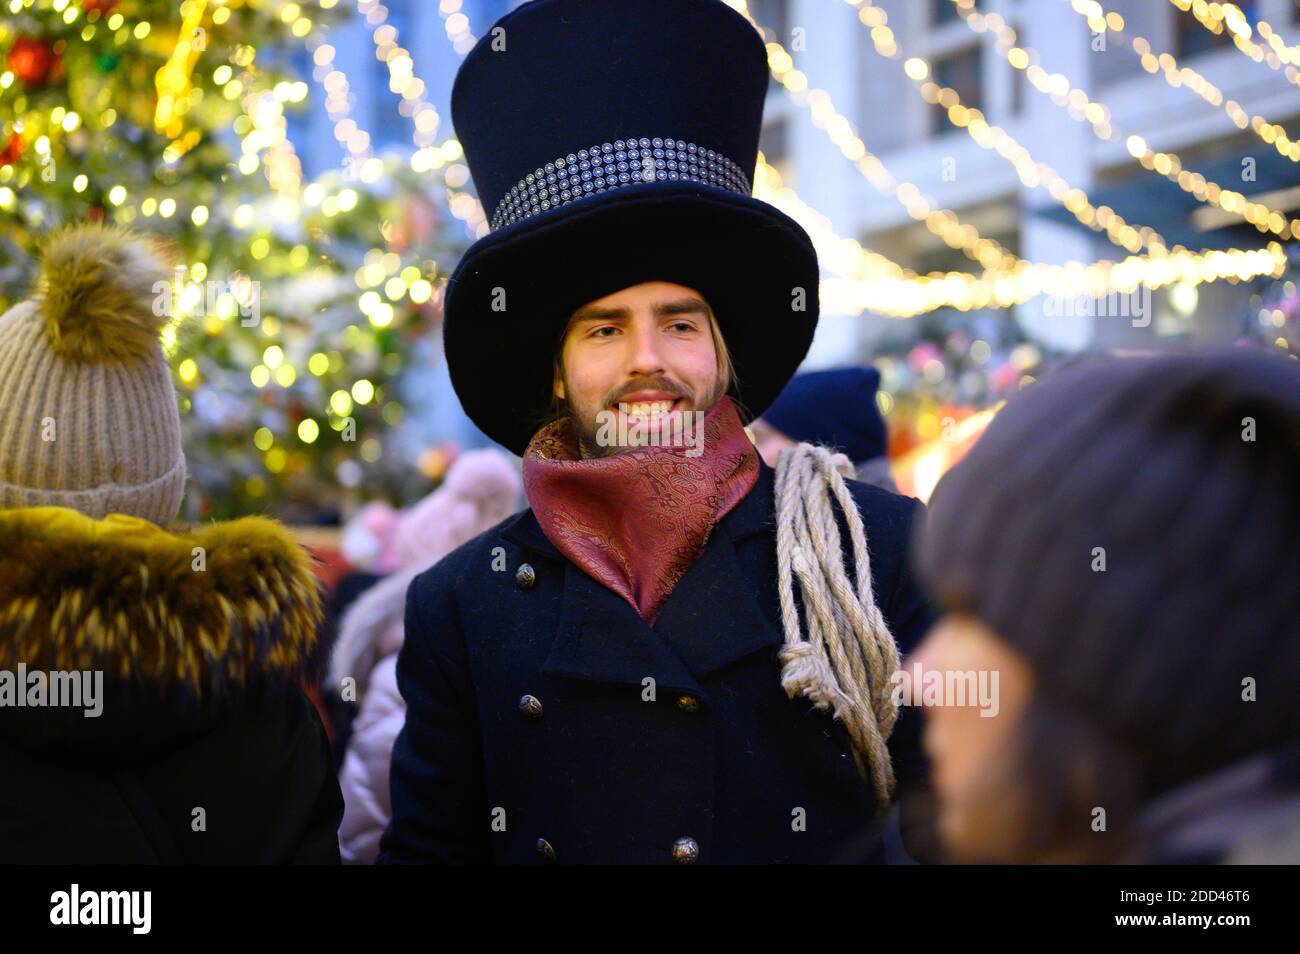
636,521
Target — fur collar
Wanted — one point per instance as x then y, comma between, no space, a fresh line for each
128,597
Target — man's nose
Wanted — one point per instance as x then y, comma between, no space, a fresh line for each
647,357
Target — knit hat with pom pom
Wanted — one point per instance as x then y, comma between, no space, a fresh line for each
88,416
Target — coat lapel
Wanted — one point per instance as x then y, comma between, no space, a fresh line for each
600,637
710,620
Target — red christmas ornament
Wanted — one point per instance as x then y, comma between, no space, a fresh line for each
33,61
96,213
104,7
12,151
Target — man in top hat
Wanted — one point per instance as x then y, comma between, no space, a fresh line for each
676,654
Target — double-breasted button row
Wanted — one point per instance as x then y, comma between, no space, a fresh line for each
530,707
686,851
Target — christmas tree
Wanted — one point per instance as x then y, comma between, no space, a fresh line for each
295,304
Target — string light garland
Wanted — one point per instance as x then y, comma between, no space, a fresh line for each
842,256
456,25
440,157
867,281
1102,21
1217,17
941,222
1084,109
338,106
401,73
1071,281
1287,54
1033,173
428,156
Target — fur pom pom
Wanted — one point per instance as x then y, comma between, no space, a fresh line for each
97,293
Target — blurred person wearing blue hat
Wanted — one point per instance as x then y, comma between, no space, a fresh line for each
835,408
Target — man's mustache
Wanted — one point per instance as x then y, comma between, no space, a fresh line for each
649,384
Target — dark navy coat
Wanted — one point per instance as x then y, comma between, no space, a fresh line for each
533,735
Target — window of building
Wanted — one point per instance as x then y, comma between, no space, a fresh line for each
1192,38
963,72
774,17
1018,79
945,11
774,143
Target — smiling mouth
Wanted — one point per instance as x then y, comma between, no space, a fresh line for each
649,410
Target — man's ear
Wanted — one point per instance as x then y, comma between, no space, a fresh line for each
558,388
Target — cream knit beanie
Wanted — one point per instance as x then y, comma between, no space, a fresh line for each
88,416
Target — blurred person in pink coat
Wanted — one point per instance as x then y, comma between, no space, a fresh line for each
482,488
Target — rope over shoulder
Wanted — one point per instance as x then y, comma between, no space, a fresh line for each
844,663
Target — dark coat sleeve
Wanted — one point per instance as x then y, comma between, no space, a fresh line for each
911,614
440,812
319,842
263,777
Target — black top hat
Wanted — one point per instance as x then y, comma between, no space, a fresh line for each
612,142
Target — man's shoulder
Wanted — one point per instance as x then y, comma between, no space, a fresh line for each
474,555
883,505
887,517
441,599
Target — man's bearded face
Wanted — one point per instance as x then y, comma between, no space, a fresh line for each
637,357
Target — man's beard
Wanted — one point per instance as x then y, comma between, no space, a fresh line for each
587,428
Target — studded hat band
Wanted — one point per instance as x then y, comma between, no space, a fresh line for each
612,165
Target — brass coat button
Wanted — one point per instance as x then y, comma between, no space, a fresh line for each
686,851
545,850
531,707
525,577
688,703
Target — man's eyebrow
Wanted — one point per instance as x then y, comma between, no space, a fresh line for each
597,313
682,306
